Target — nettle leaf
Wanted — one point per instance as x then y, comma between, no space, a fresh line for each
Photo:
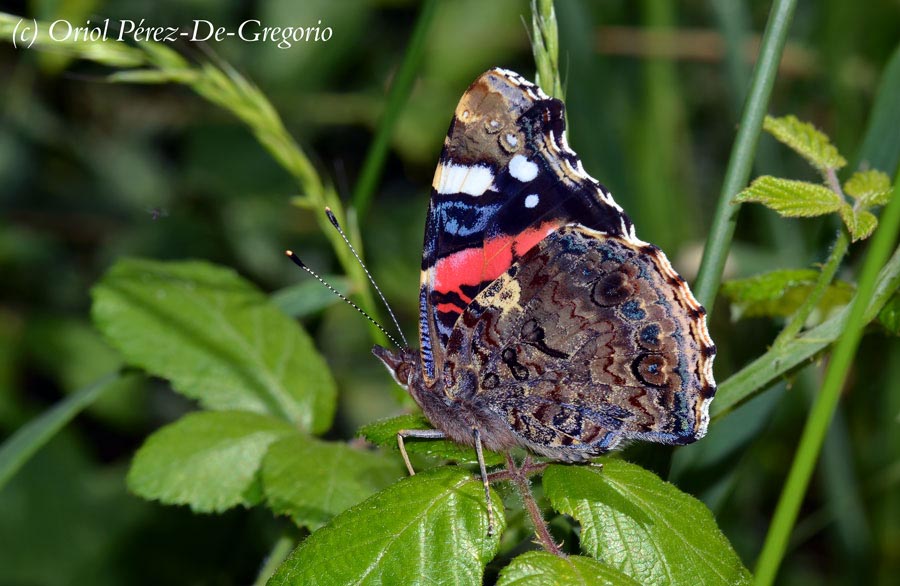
860,223
384,433
216,337
312,481
540,568
643,526
428,528
780,293
869,188
792,199
889,316
309,297
208,460
806,141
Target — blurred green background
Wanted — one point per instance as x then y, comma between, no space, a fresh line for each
92,171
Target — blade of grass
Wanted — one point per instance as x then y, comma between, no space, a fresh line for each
827,400
279,553
396,100
772,365
741,161
29,438
545,46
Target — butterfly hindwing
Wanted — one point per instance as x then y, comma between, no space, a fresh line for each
588,340
506,179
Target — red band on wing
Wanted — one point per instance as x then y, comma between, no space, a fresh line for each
474,266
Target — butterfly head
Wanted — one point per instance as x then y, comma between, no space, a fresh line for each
402,363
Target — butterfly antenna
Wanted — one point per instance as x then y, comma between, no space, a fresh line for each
337,227
290,254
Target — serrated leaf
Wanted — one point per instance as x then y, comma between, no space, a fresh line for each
216,337
312,481
806,141
889,316
790,198
430,528
860,223
869,188
781,293
384,433
540,568
643,526
208,459
309,297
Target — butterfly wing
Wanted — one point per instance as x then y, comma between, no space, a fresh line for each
588,340
506,179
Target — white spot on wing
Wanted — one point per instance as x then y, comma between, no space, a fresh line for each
511,140
532,200
474,180
522,169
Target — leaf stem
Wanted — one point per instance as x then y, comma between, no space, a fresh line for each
396,100
827,400
741,161
826,276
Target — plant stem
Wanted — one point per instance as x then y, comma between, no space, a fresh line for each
541,530
396,100
32,436
741,161
759,374
545,46
826,276
827,400
280,551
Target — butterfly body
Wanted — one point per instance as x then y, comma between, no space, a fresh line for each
545,323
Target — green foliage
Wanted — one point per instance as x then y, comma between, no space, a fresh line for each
642,526
428,528
216,338
781,293
792,199
312,481
208,460
889,316
384,433
860,223
539,568
806,141
869,188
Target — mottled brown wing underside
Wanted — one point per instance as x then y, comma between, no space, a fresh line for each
587,341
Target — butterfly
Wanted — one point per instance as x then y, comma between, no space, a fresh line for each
544,322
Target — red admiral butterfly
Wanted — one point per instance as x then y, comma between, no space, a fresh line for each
545,322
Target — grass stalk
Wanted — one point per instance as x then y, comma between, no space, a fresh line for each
826,402
32,436
396,100
741,162
545,46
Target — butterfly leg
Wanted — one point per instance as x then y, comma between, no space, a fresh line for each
415,433
484,480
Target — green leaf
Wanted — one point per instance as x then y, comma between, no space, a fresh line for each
860,223
780,293
806,141
216,338
643,526
430,528
384,433
790,198
540,568
208,459
869,188
310,296
889,316
312,480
